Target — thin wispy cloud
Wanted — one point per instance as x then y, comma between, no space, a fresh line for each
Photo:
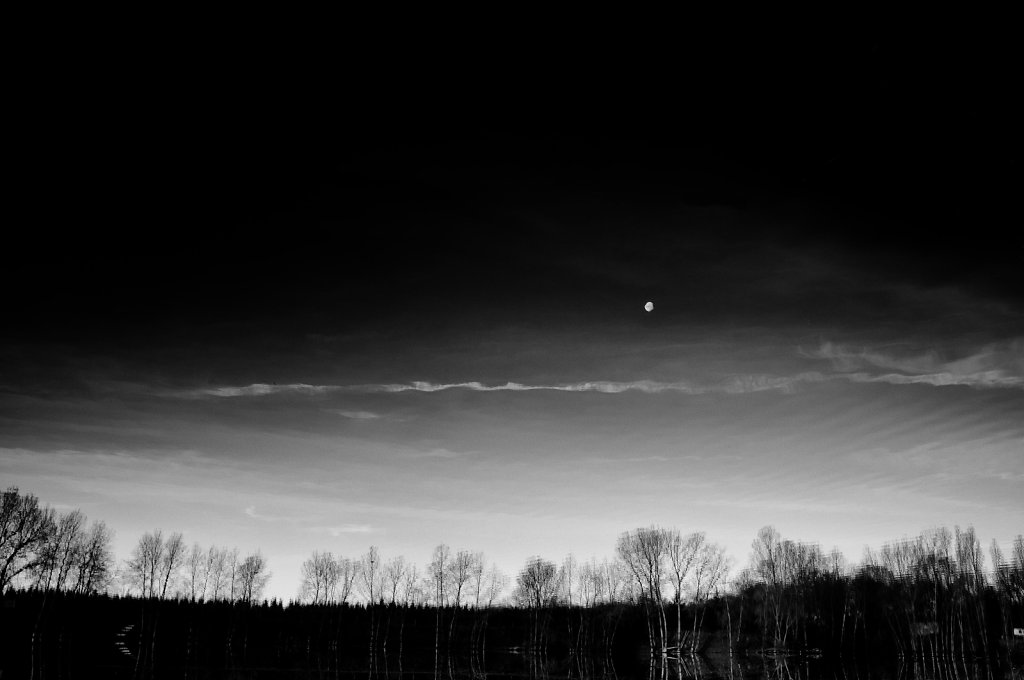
336,531
984,379
734,385
992,366
250,511
744,384
354,415
604,386
261,390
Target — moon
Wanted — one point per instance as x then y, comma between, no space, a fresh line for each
649,306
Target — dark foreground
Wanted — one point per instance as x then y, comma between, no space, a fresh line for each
60,635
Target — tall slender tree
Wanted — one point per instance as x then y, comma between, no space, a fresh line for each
644,552
171,561
370,569
682,552
195,579
709,571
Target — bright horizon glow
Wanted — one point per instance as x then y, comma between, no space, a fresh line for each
849,458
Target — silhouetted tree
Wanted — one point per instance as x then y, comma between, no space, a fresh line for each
438,577
25,527
155,562
347,573
252,576
497,583
1009,584
537,584
537,589
394,577
231,574
216,572
369,574
74,558
95,566
459,573
320,575
60,552
767,566
567,576
411,590
171,561
709,570
644,552
438,574
195,579
144,565
682,552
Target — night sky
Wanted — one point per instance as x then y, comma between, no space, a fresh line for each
394,296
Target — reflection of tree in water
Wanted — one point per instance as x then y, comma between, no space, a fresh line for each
690,666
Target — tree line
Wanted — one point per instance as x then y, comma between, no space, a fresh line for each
54,551
931,596
43,549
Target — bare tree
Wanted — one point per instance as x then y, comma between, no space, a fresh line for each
60,552
588,583
537,584
614,581
216,572
682,551
25,527
320,576
767,564
155,562
252,576
644,552
477,578
410,591
971,583
537,588
95,568
567,577
837,563
459,572
231,575
171,561
347,573
497,583
369,580
195,581
394,577
709,570
1009,580
144,564
438,573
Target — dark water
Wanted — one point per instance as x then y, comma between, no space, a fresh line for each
504,665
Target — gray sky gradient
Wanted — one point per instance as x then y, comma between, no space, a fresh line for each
271,322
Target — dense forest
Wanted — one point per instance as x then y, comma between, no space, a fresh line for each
68,601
